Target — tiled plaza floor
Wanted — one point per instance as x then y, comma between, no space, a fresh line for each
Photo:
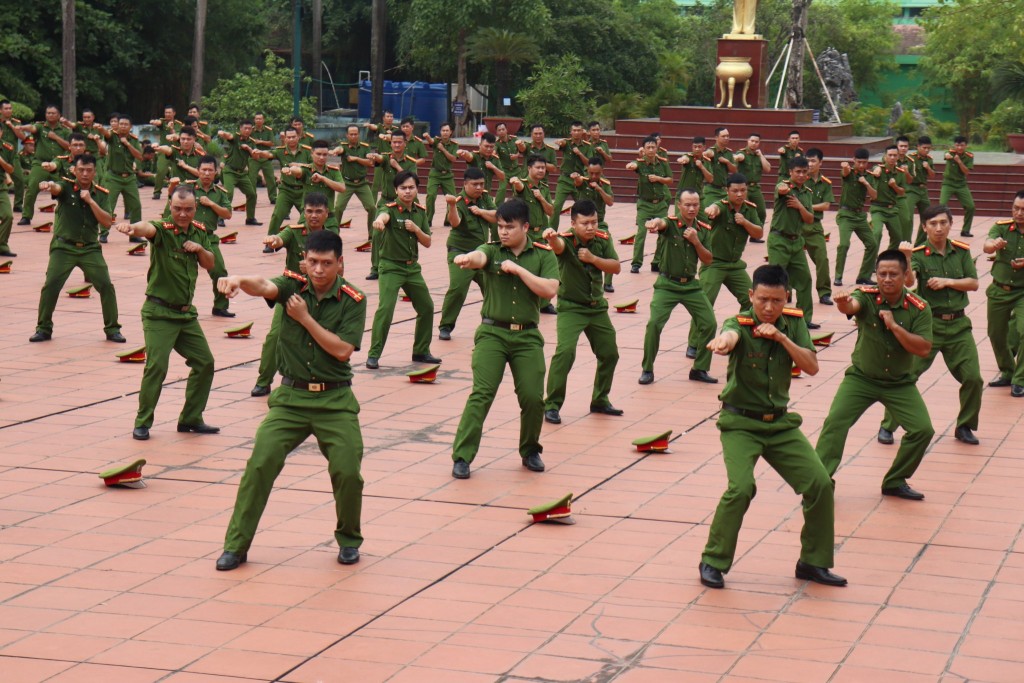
454,584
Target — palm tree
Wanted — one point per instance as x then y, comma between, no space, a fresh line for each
502,48
1008,81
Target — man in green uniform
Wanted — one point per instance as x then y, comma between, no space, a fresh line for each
959,164
511,155
890,184
538,147
533,191
7,170
63,164
733,222
292,239
598,189
167,128
237,153
289,194
904,161
404,227
322,329
183,158
894,327
788,152
719,160
683,244
751,162
10,135
599,145
354,163
386,167
694,171
81,210
169,320
145,170
791,213
852,220
756,422
123,150
653,178
822,197
381,143
471,214
945,272
213,203
583,254
51,141
576,153
518,274
320,177
440,177
922,168
1006,298
263,140
414,145
486,159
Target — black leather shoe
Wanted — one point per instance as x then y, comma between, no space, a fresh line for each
814,326
838,282
710,576
136,240
223,313
655,268
40,337
967,234
1000,380
702,376
1016,390
646,377
460,469
549,310
116,337
605,410
756,240
866,282
252,221
552,416
691,352
885,436
808,572
425,358
260,390
533,462
966,435
826,300
141,433
348,556
201,428
229,560
156,195
25,221
268,249
607,288
903,491
11,254
372,363
221,223
372,276
444,334
634,269
103,239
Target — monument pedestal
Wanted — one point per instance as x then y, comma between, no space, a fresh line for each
754,49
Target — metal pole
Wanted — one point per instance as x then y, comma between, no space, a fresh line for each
785,69
297,57
70,94
835,112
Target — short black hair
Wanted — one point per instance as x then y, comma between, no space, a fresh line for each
1019,195
246,122
402,176
321,144
699,140
187,130
488,137
934,210
959,138
770,276
297,119
862,153
473,173
687,190
514,211
208,159
892,255
182,190
799,162
535,126
718,131
315,199
816,153
400,134
446,123
924,140
77,137
736,179
534,159
324,241
793,132
595,161
584,207
573,124
593,123
350,127
903,138
888,147
85,158
649,138
755,135
408,119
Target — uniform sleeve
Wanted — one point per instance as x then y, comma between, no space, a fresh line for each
970,268
865,303
995,231
158,238
102,199
922,324
203,239
223,200
798,333
488,251
827,193
548,265
286,286
732,325
353,322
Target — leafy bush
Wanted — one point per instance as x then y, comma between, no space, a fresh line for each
268,90
557,93
20,110
991,128
866,119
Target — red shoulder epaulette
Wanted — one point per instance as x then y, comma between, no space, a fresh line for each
333,167
169,226
919,248
101,188
390,204
918,303
421,206
704,225
541,245
665,159
724,201
297,226
296,276
198,226
606,181
192,181
602,234
221,187
356,295
826,180
793,312
749,203
962,245
745,320
1007,221
869,290
970,154
306,147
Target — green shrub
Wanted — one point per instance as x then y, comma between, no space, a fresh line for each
268,90
557,93
991,128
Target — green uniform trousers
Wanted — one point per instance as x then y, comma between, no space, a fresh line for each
917,201
268,355
523,352
126,187
963,194
63,259
503,185
265,168
890,219
163,169
458,289
6,220
18,178
186,337
735,278
1007,343
817,251
333,418
435,183
287,199
955,340
232,179
906,209
711,195
365,195
219,270
564,189
854,222
37,175
574,319
789,253
409,278
856,394
787,450
754,194
645,211
667,295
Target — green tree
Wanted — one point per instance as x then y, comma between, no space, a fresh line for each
557,92
269,89
501,48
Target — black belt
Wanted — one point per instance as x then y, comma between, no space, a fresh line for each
314,387
859,209
1005,288
753,414
680,280
74,244
167,304
515,327
950,316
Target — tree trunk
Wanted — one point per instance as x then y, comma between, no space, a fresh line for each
198,52
378,41
70,95
316,71
460,86
795,73
501,71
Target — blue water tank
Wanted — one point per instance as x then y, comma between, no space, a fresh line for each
423,101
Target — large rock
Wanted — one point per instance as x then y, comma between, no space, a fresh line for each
835,70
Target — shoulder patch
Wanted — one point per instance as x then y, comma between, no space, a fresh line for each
923,246
297,226
970,154
1008,221
306,147
101,188
793,312
221,187
603,235
168,226
296,276
421,206
745,320
826,180
749,203
869,290
198,226
962,245
391,204
704,225
364,144
333,167
356,295
606,181
541,245
914,301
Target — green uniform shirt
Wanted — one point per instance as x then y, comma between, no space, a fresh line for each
571,162
506,297
887,196
303,155
750,166
646,190
439,164
878,355
263,139
144,165
585,191
472,230
692,176
386,172
955,263
917,169
342,311
120,161
415,148
353,172
91,146
1002,272
854,193
63,166
204,214
544,152
821,191
294,238
397,243
719,170
173,271
728,240
785,220
538,219
172,128
505,149
760,370
786,156
74,220
480,161
7,133
191,159
330,172
236,158
382,142
600,144
952,175
582,283
47,149
678,257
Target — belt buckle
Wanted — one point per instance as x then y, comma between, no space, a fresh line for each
315,386
768,417
515,327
